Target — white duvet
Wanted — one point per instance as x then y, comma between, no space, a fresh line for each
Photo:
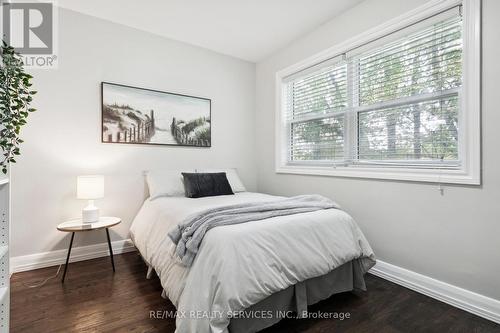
240,265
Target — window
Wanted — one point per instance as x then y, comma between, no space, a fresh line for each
403,105
316,106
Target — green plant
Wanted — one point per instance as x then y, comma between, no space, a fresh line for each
15,98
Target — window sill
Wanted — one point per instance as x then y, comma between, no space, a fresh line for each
444,176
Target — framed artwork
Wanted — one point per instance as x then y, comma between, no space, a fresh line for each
144,116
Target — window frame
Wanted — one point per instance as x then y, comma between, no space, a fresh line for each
469,171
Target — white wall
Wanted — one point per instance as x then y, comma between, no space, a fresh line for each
454,238
62,139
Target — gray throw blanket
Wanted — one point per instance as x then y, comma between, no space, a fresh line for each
188,235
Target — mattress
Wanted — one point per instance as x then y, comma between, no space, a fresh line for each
241,265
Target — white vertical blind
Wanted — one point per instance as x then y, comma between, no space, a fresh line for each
396,103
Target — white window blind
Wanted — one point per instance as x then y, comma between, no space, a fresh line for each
395,104
315,112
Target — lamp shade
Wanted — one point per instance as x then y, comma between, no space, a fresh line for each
90,187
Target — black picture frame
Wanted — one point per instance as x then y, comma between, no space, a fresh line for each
136,131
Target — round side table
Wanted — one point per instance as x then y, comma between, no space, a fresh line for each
77,225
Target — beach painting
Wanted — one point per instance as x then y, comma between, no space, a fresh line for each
137,115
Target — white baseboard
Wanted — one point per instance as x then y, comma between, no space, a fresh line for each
52,258
469,301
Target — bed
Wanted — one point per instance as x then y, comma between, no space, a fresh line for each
246,277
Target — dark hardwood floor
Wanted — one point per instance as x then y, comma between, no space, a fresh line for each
93,299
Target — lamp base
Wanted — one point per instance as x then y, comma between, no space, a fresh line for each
90,213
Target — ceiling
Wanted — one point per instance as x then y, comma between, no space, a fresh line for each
246,29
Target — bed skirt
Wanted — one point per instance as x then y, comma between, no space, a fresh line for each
296,298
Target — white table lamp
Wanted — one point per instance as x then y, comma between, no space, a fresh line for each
90,188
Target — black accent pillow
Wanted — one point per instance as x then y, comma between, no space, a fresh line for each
199,185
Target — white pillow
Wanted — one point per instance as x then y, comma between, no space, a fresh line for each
232,177
165,183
